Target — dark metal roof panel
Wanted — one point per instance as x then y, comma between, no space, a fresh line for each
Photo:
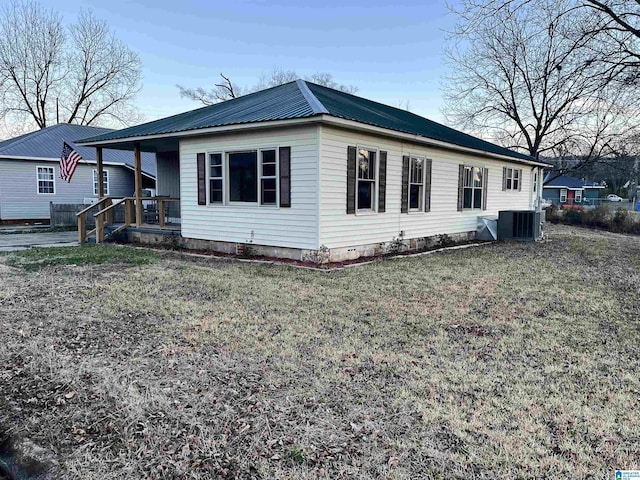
47,143
566,182
350,107
278,103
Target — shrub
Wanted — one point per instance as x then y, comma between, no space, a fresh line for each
551,214
622,222
573,216
598,217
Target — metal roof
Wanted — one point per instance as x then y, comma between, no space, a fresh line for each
47,144
300,99
283,102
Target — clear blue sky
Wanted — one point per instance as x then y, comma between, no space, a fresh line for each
390,52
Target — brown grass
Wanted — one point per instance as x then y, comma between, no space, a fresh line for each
503,361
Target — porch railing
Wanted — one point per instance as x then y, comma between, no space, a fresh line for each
157,212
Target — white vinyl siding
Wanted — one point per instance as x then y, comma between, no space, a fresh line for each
18,188
338,229
295,227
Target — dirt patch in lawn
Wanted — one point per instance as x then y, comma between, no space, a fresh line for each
509,361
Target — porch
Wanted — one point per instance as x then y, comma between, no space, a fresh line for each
114,215
160,212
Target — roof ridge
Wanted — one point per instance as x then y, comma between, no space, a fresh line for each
315,104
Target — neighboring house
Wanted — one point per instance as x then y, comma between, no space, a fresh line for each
565,190
30,173
299,169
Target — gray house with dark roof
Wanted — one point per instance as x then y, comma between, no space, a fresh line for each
301,169
30,173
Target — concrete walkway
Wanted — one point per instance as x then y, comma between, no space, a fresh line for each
20,241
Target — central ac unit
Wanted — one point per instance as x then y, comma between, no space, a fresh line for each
523,225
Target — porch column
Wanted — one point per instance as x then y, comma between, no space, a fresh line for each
138,180
100,172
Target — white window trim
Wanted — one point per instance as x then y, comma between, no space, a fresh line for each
421,203
94,176
223,178
277,177
511,176
484,179
578,196
53,169
374,199
563,193
226,202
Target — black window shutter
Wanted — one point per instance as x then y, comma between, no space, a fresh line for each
202,179
404,197
485,182
427,186
382,183
504,179
285,176
460,187
351,180
520,180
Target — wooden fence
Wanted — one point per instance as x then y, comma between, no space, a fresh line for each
64,214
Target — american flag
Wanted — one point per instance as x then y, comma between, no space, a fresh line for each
69,159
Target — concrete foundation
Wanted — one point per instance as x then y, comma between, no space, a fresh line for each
173,239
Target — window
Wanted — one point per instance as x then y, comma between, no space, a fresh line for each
105,182
366,179
416,184
512,178
216,191
563,195
578,195
473,183
244,177
268,177
46,179
535,182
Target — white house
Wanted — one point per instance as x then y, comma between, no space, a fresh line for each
301,168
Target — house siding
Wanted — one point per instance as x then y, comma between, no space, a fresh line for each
168,174
295,227
19,198
338,229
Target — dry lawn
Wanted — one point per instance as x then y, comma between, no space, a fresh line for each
504,361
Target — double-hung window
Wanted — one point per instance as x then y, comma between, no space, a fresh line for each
473,186
563,195
366,180
416,184
45,177
578,196
268,177
512,180
244,177
105,182
216,178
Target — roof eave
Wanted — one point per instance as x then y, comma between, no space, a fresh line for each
203,131
332,120
324,118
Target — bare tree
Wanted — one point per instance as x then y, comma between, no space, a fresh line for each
225,90
85,75
619,24
524,73
277,76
